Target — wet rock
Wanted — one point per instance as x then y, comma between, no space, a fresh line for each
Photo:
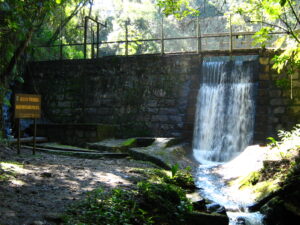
240,221
207,219
215,208
46,174
197,201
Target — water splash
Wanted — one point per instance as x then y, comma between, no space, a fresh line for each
225,111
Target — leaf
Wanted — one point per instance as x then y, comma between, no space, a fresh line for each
174,169
279,42
58,1
282,2
20,79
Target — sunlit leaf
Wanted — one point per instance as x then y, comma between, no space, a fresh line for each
279,42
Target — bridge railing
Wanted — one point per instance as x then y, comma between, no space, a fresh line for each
195,36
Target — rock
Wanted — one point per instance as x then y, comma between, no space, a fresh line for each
197,201
197,218
46,174
215,208
276,212
240,221
54,217
37,222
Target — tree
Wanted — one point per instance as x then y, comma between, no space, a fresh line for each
274,16
19,21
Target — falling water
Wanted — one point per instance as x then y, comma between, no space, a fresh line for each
225,109
223,129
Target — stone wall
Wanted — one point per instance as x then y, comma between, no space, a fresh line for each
148,95
144,95
275,109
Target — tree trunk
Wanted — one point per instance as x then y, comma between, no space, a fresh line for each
17,54
65,22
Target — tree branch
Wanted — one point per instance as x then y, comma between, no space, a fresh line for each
269,24
293,10
290,30
66,21
17,54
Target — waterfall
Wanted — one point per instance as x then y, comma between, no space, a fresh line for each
225,111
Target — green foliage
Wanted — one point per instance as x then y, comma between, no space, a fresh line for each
182,178
149,204
174,169
115,207
262,36
167,203
178,8
275,16
273,142
159,199
283,83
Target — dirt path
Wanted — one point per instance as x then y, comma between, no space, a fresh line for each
44,185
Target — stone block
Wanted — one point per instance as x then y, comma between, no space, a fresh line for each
168,103
266,68
275,93
176,119
79,133
64,104
262,93
274,119
159,118
279,110
264,76
262,101
279,101
262,109
295,109
264,60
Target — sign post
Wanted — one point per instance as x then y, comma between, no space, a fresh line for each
27,106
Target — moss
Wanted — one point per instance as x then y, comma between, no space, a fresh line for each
250,180
129,142
182,178
265,188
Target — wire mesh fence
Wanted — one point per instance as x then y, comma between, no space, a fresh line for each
149,36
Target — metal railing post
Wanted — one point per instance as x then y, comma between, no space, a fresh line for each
230,35
162,36
199,36
85,36
98,38
93,44
126,37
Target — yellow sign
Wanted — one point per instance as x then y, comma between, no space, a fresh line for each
27,106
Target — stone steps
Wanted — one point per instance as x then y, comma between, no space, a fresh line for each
80,154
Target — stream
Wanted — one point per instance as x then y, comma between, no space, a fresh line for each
213,179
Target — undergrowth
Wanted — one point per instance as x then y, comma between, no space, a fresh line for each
158,199
282,164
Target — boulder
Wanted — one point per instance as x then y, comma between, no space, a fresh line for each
197,218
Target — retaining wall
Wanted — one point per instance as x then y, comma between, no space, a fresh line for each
148,95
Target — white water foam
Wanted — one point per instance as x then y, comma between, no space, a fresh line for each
225,109
223,129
